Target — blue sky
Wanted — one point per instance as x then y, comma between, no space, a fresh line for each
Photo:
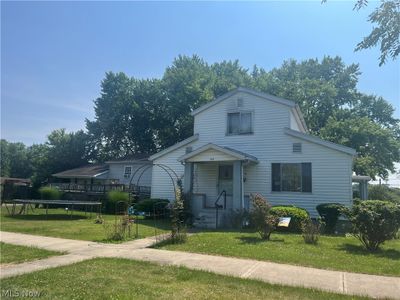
54,54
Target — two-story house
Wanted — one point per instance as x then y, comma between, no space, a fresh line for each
248,142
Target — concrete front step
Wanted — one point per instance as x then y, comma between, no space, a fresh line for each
205,219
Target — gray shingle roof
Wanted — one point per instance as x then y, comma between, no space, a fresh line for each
89,171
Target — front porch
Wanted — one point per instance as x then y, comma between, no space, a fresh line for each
213,179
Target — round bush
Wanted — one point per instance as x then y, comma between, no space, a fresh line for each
374,222
298,217
330,213
49,193
113,197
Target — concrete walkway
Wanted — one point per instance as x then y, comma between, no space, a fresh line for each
334,281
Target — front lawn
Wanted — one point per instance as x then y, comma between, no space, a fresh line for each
335,253
106,278
18,254
77,227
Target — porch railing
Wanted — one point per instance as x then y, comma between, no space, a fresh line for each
218,206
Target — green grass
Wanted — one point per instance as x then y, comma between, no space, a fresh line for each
334,253
77,227
106,278
17,254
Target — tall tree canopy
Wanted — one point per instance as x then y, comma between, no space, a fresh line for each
14,160
144,116
60,152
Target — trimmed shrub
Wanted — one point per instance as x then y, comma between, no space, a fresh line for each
147,206
264,222
330,213
374,222
113,197
298,217
49,193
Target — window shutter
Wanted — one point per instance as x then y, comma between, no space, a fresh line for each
307,179
276,177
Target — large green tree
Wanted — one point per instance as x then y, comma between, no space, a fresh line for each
125,112
319,87
377,147
14,160
142,116
61,151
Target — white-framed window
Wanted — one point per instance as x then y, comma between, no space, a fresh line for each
127,171
291,177
240,122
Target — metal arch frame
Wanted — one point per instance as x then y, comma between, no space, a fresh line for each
143,168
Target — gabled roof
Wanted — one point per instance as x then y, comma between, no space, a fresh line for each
89,171
316,140
176,146
290,103
235,154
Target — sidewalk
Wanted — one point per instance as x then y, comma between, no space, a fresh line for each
334,281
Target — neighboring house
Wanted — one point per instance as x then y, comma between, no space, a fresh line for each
11,188
135,170
123,174
248,142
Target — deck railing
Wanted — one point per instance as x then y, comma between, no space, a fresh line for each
101,188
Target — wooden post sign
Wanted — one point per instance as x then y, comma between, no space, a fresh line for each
284,222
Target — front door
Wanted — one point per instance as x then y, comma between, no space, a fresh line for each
225,183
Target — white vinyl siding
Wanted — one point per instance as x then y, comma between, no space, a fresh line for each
162,186
293,122
331,169
117,172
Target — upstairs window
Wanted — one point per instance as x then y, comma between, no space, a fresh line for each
127,172
240,123
291,177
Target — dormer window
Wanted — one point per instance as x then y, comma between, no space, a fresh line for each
240,123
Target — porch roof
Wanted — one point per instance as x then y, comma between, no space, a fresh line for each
212,152
89,171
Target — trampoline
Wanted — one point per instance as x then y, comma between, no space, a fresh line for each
28,204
